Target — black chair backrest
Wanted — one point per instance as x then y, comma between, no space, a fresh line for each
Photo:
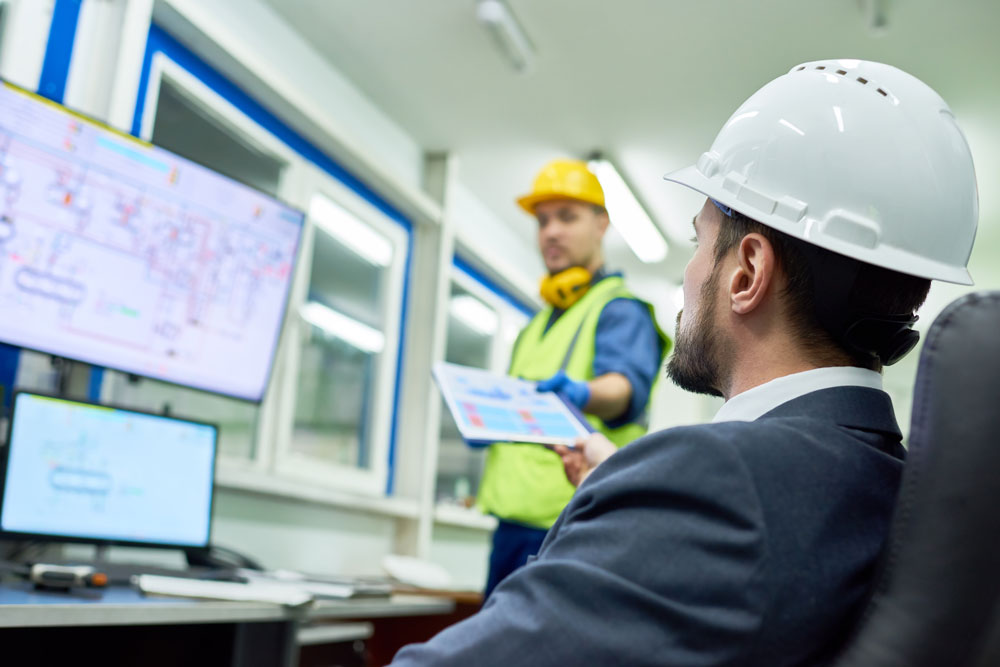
935,603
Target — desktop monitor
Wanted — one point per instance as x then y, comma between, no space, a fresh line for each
122,254
76,471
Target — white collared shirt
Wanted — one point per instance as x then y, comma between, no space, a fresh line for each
753,403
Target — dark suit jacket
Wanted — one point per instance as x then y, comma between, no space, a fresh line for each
736,543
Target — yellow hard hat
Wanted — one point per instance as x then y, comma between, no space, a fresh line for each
563,179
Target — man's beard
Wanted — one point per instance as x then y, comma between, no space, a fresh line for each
699,351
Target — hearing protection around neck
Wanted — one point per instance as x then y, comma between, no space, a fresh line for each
565,288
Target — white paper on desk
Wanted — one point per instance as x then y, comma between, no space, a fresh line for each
318,589
152,584
496,408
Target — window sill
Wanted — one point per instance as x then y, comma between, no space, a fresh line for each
240,479
451,515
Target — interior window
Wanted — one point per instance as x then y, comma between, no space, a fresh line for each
188,128
343,341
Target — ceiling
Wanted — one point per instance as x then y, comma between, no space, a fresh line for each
648,82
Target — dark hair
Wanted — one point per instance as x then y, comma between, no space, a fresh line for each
876,292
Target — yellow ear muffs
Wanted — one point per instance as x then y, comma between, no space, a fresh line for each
565,288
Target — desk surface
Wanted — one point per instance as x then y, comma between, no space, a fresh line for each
22,606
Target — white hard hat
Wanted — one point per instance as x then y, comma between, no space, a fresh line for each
856,157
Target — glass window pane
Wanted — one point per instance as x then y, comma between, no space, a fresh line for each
190,129
472,326
345,315
335,386
346,282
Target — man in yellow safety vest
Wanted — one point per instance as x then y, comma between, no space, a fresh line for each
595,343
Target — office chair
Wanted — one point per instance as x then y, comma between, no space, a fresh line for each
936,601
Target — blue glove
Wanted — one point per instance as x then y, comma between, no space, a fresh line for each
578,393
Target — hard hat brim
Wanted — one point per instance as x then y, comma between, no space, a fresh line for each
528,202
886,257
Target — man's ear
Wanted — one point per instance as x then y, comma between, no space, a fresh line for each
754,275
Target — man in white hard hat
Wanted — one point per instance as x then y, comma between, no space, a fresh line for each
836,193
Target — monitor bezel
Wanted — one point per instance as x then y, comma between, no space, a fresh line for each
280,331
6,535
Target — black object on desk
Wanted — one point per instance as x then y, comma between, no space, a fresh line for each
121,574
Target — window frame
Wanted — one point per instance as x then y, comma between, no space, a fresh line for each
499,355
514,314
371,481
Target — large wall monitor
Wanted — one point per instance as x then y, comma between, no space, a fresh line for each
83,472
124,255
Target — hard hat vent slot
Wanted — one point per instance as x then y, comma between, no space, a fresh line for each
843,72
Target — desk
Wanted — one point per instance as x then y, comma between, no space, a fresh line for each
122,627
389,634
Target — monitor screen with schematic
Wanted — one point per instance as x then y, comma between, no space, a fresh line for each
76,471
121,254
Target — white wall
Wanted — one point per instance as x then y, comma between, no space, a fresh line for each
464,553
283,533
513,255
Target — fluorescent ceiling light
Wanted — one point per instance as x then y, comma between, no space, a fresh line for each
351,232
346,328
507,33
878,18
627,214
474,314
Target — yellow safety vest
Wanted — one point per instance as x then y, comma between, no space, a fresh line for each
526,483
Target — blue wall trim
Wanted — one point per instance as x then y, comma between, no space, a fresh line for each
59,50
159,41
10,357
94,385
391,476
492,286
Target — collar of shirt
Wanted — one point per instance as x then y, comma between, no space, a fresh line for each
753,403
